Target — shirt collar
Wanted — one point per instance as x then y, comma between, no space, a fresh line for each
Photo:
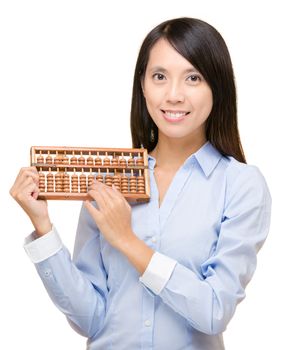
207,157
151,162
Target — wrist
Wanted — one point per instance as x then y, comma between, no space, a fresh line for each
137,252
126,242
42,227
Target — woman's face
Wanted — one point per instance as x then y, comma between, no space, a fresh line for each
178,98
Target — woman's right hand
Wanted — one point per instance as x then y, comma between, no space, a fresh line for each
25,191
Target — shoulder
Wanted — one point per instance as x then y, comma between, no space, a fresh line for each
240,173
245,182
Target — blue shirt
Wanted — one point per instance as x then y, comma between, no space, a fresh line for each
213,220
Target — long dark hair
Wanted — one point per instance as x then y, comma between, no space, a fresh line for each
205,49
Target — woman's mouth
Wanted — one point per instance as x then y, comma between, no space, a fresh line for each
174,116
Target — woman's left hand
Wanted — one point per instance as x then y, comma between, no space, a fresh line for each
113,216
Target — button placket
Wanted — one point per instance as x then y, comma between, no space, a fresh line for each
147,323
153,239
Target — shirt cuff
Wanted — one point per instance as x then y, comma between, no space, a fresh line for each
39,249
158,272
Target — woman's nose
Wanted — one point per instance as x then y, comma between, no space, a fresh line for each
175,93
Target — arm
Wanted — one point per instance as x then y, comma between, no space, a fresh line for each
78,290
208,300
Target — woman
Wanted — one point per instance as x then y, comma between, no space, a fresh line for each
167,274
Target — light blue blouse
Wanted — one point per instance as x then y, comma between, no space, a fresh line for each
213,220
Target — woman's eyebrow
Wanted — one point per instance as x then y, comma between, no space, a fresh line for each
163,70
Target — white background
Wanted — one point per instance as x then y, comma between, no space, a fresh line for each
66,70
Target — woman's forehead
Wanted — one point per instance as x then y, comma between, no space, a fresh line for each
163,57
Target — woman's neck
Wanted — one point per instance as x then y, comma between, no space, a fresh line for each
170,153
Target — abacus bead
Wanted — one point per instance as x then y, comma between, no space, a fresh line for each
59,182
115,161
98,161
107,161
73,160
81,160
58,159
40,159
99,178
66,182
90,180
116,180
42,186
74,183
82,180
139,161
122,162
131,162
90,160
49,160
108,180
124,184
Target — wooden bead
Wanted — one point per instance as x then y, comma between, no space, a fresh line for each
98,161
131,162
90,179
81,160
122,161
107,161
66,182
40,159
108,180
100,178
41,182
82,183
74,183
65,159
90,161
115,161
139,161
49,159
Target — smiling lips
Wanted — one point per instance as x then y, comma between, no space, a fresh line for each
174,116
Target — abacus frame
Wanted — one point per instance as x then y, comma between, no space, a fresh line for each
35,151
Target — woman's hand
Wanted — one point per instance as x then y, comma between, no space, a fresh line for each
113,216
25,191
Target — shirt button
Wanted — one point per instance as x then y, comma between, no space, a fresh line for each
154,239
147,323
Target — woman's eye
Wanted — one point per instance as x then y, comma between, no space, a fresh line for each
194,78
158,76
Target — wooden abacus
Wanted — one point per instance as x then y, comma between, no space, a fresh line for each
67,172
